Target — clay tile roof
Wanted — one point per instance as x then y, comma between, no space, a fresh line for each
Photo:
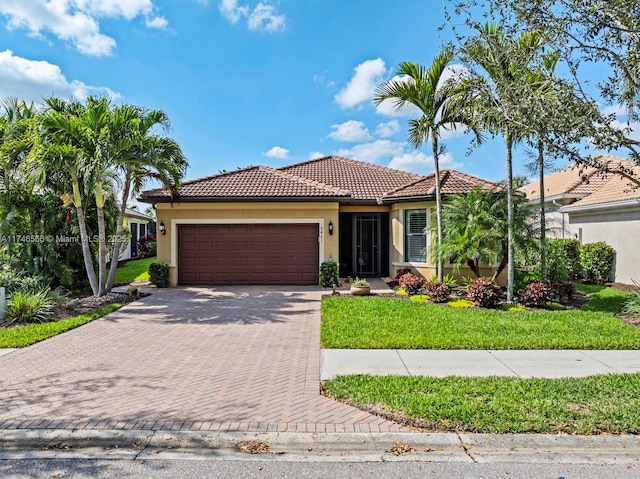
451,182
614,188
574,181
364,180
252,182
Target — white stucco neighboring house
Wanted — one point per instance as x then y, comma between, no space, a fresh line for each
592,206
138,225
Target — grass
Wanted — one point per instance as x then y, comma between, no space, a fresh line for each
602,298
22,336
591,405
134,270
389,323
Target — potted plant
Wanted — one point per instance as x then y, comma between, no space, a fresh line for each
360,287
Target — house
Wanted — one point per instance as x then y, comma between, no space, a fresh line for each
593,206
138,225
261,225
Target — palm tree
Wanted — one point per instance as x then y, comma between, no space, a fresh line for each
96,147
475,228
496,99
145,156
426,89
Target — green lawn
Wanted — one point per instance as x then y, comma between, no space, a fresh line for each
22,336
134,270
384,322
592,405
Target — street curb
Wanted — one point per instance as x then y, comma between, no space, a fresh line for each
340,447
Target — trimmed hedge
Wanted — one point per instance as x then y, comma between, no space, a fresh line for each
329,274
596,261
159,274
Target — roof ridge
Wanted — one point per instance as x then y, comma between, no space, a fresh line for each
473,179
209,177
348,160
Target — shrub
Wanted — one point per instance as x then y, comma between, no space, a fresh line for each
567,253
29,307
411,283
632,304
523,278
328,274
159,274
437,291
484,292
401,272
14,281
447,279
596,261
460,303
537,293
147,246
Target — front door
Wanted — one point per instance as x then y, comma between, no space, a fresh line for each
367,250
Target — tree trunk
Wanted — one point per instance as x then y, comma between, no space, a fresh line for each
436,164
86,250
543,223
102,253
474,266
115,252
510,218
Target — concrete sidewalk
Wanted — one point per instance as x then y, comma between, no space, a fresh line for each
440,363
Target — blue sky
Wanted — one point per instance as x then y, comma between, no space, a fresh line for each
244,82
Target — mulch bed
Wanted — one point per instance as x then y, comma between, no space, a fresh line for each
86,303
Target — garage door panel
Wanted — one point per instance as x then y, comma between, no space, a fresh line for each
248,254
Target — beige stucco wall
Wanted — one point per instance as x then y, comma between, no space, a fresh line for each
202,213
618,228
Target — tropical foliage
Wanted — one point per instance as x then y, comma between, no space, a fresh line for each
476,229
427,90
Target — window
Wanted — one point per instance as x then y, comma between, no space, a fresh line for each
415,241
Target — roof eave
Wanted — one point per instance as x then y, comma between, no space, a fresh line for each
241,199
601,206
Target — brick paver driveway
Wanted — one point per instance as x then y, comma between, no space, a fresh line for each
228,359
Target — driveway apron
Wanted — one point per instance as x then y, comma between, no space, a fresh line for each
223,359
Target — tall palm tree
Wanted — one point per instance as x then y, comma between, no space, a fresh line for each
426,89
91,146
497,97
145,155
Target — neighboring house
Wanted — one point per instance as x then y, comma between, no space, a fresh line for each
138,225
592,206
261,225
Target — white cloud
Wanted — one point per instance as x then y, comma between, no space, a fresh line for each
157,22
350,131
277,152
263,17
390,128
374,151
417,162
32,80
366,76
76,21
316,154
231,11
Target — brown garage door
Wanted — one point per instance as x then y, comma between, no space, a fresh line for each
248,254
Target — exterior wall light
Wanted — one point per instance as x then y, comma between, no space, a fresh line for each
163,230
330,228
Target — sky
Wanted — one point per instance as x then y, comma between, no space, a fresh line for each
244,82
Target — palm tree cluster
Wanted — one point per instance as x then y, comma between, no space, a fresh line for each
94,156
506,87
